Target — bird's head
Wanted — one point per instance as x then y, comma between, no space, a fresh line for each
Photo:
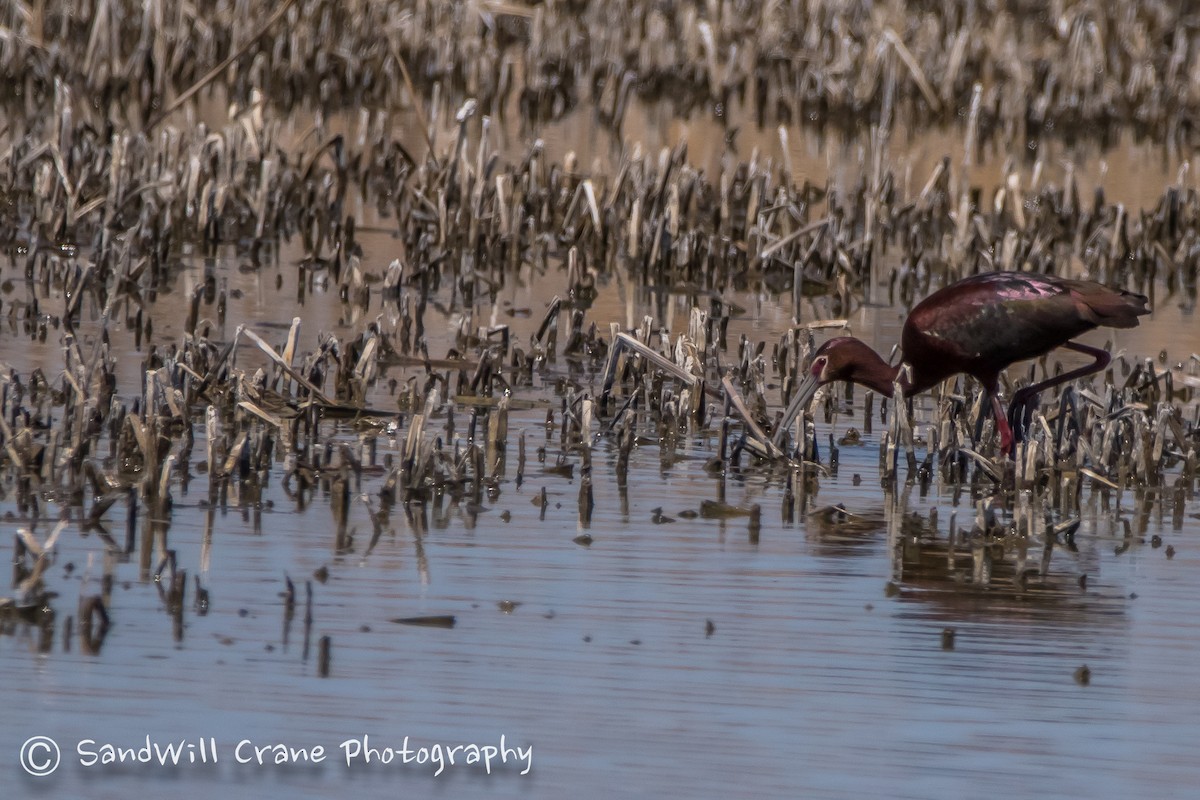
840,359
843,358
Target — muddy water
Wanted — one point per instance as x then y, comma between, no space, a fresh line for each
676,654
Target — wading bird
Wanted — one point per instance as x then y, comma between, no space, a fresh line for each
979,326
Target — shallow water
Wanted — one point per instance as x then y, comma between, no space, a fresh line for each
690,657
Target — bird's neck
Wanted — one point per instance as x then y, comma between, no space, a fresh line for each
880,377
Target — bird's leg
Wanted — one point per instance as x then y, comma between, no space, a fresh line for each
1020,408
1002,426
992,387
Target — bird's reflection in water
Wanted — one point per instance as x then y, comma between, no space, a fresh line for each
1009,560
999,558
835,530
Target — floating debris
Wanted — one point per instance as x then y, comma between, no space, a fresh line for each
324,656
435,621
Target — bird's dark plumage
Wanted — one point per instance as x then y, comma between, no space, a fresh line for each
979,326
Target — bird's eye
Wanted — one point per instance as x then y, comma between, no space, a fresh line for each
818,366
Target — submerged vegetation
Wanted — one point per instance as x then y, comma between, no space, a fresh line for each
115,198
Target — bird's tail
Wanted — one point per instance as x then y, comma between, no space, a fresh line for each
1112,308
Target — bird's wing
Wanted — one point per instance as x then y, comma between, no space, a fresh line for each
987,323
1113,308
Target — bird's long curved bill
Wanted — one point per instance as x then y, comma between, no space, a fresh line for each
800,400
